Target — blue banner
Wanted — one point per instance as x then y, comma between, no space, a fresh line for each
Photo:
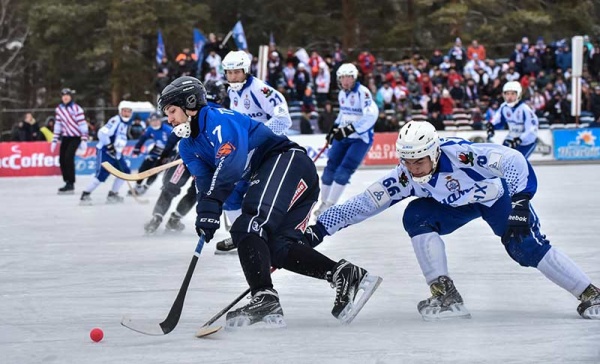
576,144
87,163
160,49
199,42
239,37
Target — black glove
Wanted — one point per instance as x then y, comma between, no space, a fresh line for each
490,131
208,218
314,235
512,143
136,152
518,220
110,150
338,133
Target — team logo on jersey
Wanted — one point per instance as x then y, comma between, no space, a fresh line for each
367,95
508,114
304,223
266,91
466,158
247,102
342,102
300,189
452,184
403,179
235,101
225,150
352,100
255,226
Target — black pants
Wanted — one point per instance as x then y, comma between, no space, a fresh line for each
173,181
278,203
68,147
149,162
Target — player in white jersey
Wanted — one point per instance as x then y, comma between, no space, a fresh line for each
250,96
112,139
521,120
456,181
351,135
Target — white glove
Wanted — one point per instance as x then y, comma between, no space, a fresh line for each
82,148
52,147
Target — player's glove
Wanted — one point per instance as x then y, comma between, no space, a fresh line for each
512,143
208,218
490,131
518,219
339,133
110,150
136,151
314,235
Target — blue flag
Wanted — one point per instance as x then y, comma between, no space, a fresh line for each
271,38
199,42
160,48
239,37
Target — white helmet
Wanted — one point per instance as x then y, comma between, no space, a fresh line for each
513,86
125,105
418,139
236,60
347,69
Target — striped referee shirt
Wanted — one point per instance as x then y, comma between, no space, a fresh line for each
70,122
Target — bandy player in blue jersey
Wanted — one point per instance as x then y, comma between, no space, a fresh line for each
456,181
221,147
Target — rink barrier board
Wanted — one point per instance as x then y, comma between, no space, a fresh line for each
35,159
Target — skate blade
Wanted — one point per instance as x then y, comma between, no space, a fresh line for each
456,310
592,313
367,286
67,193
206,331
85,203
226,252
268,322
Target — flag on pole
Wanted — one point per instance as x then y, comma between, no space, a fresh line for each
160,49
239,37
199,42
271,39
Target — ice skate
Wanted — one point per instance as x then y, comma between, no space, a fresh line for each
67,189
349,280
114,198
174,224
263,307
151,226
225,246
138,189
589,307
445,302
86,199
324,206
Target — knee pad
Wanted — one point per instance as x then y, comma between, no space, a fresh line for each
327,177
527,253
171,189
342,175
414,220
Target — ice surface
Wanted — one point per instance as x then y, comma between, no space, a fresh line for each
65,269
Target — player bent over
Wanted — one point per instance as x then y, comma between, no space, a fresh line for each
456,181
112,138
221,147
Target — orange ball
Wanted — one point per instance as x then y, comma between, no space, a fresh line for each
96,334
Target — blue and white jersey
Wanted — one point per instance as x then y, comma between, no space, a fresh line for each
521,120
467,173
159,136
358,108
229,147
113,132
261,102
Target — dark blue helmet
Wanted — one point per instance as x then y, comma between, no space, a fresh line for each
186,92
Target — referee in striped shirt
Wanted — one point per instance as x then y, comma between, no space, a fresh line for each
71,127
